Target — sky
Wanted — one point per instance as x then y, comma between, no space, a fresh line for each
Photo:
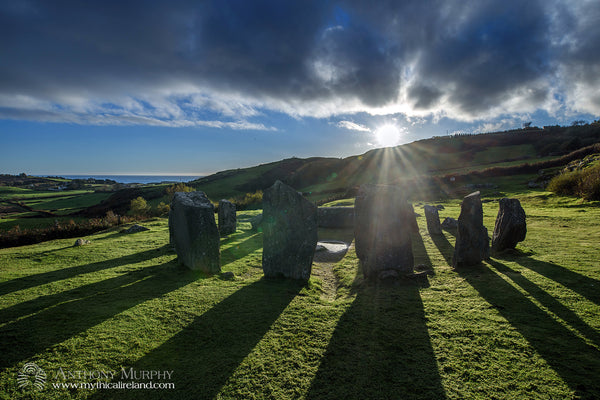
195,87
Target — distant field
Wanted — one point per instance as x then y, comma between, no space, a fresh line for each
523,325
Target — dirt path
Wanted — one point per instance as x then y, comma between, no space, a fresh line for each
326,257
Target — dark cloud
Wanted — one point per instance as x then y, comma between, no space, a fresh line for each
463,59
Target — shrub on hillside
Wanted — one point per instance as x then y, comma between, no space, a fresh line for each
139,206
584,183
248,201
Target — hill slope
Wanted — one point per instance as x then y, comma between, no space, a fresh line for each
436,156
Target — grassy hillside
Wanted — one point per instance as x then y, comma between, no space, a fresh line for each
320,177
523,325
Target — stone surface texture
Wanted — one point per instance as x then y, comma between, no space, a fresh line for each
227,217
384,220
433,220
472,241
511,225
194,232
289,233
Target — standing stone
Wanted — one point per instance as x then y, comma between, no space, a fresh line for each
336,217
289,233
227,217
472,242
194,231
433,220
383,221
510,227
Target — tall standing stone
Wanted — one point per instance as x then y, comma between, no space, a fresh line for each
510,227
289,233
194,231
227,217
472,242
383,220
433,220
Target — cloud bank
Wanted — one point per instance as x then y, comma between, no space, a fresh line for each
225,64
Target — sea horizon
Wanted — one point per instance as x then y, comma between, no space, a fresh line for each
143,179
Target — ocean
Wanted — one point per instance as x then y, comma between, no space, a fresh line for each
137,178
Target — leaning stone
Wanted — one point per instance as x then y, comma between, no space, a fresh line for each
227,217
81,242
384,220
289,233
194,231
433,220
511,225
472,242
136,228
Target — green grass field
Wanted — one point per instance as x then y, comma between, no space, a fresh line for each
523,325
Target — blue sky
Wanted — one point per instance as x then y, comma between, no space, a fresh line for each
194,87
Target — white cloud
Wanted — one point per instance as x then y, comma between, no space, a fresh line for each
352,126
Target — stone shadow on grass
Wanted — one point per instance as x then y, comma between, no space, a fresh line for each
248,243
30,281
204,354
380,349
66,314
574,360
555,306
585,286
444,246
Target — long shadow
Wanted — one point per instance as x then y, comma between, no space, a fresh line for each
249,244
380,349
585,286
419,251
577,363
207,352
548,301
444,247
30,281
95,303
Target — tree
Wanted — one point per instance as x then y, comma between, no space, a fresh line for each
139,206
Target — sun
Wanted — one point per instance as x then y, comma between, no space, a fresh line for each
387,135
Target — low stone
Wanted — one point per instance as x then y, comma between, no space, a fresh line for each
511,225
472,242
450,224
136,228
384,220
81,242
228,276
194,231
433,220
336,217
440,207
289,233
227,217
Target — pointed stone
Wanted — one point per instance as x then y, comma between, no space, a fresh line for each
472,241
511,225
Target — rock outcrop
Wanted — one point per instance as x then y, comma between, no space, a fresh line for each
383,220
289,233
194,231
511,225
472,242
